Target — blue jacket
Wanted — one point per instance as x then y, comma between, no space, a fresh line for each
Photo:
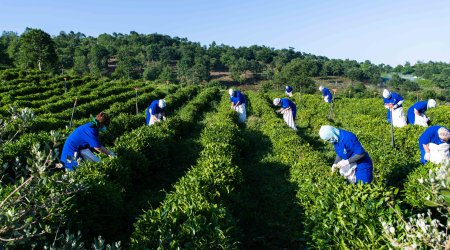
153,109
326,92
286,103
421,106
237,97
430,135
394,99
85,136
346,147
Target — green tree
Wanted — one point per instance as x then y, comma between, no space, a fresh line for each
167,75
37,50
128,66
152,71
4,58
238,68
264,55
6,39
80,63
354,73
294,74
152,52
184,73
200,70
407,69
10,41
98,60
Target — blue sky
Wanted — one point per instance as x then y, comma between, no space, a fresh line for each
381,31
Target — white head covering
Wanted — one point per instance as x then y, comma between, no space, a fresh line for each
329,133
444,134
231,91
162,103
320,87
431,103
276,101
386,93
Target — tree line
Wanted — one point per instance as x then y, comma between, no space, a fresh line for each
163,58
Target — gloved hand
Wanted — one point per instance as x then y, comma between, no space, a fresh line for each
343,163
334,168
427,156
164,118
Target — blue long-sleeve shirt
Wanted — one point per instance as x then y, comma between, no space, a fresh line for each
237,97
85,136
326,92
421,107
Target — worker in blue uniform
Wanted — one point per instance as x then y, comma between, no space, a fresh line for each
352,160
288,109
238,103
155,112
289,91
416,113
78,145
326,94
394,102
432,135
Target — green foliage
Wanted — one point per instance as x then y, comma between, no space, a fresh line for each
34,206
193,216
296,74
403,85
97,198
152,71
37,50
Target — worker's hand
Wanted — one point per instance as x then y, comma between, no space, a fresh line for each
427,156
343,163
164,118
334,168
112,154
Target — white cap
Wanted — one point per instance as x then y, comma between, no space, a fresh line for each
276,101
230,91
329,133
386,93
162,103
321,88
431,103
444,134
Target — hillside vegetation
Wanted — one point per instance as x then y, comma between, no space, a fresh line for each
201,180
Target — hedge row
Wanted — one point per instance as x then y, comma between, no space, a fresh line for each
194,215
336,215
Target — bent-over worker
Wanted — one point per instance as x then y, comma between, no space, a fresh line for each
394,101
288,109
77,146
416,113
155,112
434,144
238,101
352,160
